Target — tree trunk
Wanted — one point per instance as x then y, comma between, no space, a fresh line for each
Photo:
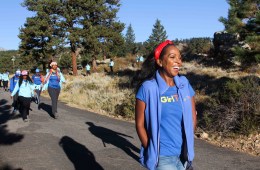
74,63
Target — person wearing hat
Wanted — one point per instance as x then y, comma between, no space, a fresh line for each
38,80
13,82
24,88
53,83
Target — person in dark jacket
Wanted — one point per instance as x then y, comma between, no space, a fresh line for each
13,82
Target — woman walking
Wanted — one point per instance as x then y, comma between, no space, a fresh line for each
5,79
165,113
38,80
25,89
53,83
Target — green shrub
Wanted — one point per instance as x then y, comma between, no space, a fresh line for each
235,107
127,107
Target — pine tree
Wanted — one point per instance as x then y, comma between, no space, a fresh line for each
80,23
37,41
244,19
130,40
158,35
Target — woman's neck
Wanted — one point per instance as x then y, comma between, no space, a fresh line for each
169,80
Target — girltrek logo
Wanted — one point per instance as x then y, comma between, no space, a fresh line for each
173,98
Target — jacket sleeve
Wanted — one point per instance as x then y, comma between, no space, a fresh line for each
45,83
16,88
62,79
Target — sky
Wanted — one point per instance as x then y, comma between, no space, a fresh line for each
181,18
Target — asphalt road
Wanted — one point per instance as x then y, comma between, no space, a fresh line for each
82,140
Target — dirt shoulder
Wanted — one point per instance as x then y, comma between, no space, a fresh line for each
248,144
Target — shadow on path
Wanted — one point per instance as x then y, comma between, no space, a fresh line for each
115,138
8,167
79,155
7,138
47,108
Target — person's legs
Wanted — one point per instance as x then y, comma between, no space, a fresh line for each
15,102
54,94
169,163
51,93
57,93
38,93
5,83
25,106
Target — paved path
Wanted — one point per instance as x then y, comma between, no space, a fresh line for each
83,140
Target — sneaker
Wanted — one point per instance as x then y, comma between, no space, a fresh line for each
26,120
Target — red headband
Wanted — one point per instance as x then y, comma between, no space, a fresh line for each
160,47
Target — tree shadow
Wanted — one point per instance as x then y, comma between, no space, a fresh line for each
9,167
115,138
79,155
47,108
7,138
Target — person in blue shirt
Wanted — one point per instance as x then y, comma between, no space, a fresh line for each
87,69
24,88
53,83
165,113
5,78
38,80
13,82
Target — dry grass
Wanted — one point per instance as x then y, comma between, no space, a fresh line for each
101,93
216,72
98,92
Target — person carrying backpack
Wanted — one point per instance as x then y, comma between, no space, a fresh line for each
24,88
13,82
38,80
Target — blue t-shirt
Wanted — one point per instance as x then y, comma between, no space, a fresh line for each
171,120
37,79
54,81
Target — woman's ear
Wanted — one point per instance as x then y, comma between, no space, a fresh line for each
159,62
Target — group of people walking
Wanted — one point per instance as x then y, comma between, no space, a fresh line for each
23,87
